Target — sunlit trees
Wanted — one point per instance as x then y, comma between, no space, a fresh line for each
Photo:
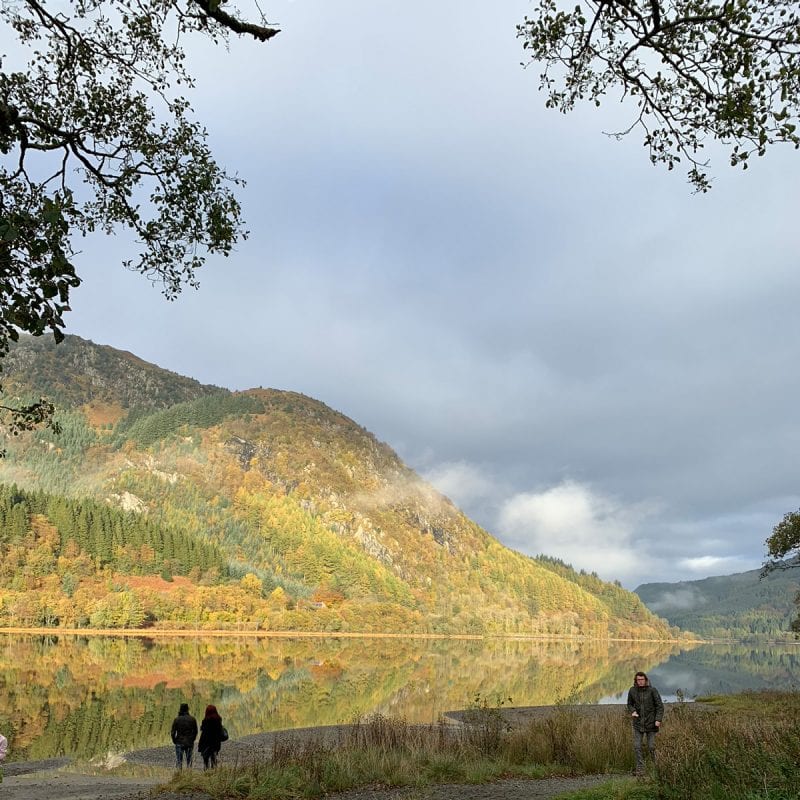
118,610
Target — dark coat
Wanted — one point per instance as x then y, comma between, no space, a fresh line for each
646,702
210,735
184,729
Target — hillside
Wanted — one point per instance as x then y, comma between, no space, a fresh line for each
742,605
319,525
104,381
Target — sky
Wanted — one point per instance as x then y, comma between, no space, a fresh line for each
591,361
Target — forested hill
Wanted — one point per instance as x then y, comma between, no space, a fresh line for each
742,605
107,383
263,510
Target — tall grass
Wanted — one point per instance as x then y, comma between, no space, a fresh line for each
746,748
749,749
390,752
744,754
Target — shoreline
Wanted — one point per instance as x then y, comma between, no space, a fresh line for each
197,633
65,779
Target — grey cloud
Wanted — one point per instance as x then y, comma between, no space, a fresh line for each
483,283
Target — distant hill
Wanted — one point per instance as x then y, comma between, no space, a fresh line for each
183,505
728,606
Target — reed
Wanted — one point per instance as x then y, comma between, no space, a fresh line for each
390,752
747,751
747,748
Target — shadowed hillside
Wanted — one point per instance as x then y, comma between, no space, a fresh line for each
103,380
742,605
321,525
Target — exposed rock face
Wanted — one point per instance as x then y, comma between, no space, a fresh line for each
369,541
153,468
244,450
129,502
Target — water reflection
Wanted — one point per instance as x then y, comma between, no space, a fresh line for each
724,669
85,696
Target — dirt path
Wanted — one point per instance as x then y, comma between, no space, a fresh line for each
61,785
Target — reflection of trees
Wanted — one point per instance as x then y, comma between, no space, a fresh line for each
89,695
722,669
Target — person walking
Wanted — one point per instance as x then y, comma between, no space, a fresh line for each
647,713
212,735
184,732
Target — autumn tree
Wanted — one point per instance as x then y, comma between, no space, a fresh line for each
783,552
693,69
95,136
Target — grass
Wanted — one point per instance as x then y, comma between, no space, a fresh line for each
747,748
625,789
767,702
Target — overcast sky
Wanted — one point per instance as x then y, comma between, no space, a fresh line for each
591,361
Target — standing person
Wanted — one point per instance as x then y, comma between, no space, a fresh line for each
184,732
3,751
211,737
647,712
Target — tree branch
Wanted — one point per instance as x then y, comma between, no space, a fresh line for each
211,8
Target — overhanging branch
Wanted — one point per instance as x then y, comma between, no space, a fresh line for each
211,8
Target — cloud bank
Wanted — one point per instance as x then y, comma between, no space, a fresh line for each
583,527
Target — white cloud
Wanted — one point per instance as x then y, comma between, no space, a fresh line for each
461,481
707,564
573,522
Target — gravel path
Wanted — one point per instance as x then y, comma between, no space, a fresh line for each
53,785
498,790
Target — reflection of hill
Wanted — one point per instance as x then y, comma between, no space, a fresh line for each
85,696
723,669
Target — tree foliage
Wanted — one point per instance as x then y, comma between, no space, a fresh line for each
95,136
744,605
784,544
695,69
783,551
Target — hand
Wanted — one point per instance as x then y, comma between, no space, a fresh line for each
634,714
658,724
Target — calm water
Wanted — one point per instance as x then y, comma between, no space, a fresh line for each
87,696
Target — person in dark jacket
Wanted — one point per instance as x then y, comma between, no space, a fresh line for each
210,737
184,732
647,713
